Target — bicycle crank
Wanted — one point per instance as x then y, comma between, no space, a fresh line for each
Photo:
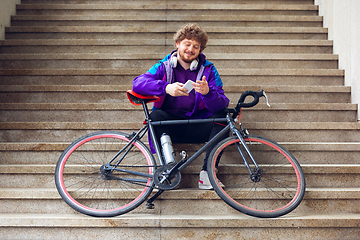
166,179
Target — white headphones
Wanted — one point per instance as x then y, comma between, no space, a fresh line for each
173,62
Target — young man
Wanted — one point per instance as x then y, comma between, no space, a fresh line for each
207,99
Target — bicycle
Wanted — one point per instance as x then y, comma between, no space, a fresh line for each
109,173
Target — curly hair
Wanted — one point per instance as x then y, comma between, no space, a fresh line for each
192,31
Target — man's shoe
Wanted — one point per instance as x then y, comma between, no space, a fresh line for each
204,182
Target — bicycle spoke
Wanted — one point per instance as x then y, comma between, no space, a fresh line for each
86,184
273,189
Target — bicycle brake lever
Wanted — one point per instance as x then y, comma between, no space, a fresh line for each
266,98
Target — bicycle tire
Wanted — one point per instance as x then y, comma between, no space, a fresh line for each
279,189
83,187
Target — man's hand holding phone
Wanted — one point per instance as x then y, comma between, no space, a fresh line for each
179,89
176,89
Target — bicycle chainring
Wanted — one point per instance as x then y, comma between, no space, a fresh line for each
164,181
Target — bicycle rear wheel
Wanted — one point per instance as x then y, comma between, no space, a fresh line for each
276,189
85,185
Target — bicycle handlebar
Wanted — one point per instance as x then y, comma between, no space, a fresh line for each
255,95
138,99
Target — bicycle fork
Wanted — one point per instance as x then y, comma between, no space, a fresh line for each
256,173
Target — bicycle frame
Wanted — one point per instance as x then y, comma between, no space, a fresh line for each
183,163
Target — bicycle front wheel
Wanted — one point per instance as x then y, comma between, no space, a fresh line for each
85,183
274,189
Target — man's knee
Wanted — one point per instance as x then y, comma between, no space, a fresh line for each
158,115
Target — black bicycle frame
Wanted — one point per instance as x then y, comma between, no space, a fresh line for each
230,126
190,121
182,164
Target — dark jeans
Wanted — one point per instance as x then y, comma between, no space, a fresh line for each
188,133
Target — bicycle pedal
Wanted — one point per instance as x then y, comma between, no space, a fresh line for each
150,206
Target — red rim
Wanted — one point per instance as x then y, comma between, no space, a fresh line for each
279,150
87,140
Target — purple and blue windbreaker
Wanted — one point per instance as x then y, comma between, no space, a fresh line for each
196,106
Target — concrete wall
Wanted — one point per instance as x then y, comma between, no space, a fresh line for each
342,19
7,8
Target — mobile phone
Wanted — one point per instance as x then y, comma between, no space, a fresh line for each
188,85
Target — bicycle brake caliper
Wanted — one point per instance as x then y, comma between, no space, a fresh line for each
131,136
244,132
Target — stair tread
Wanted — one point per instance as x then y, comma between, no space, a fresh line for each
124,88
176,220
162,42
155,56
304,146
194,169
127,106
131,125
181,194
138,71
164,6
163,17
160,29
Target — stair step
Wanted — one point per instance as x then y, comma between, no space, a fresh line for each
157,56
124,88
337,221
278,131
124,79
85,60
162,1
156,226
164,5
134,46
13,95
178,194
162,42
197,226
50,19
132,125
317,175
138,20
161,29
51,202
113,112
231,77
127,106
308,169
137,71
119,32
306,152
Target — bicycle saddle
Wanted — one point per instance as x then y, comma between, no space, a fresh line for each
138,99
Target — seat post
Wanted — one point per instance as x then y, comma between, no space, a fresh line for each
146,110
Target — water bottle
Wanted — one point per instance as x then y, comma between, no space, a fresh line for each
167,149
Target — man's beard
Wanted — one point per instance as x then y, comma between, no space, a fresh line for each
187,60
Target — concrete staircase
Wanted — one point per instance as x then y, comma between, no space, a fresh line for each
65,66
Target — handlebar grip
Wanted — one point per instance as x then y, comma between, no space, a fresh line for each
255,95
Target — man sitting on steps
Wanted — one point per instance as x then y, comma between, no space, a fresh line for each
166,79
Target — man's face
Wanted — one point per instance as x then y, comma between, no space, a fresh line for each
188,50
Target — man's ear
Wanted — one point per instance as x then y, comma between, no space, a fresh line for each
177,44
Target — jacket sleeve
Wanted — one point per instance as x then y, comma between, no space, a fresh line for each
215,100
151,82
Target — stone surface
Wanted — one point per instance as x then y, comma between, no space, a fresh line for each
64,69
